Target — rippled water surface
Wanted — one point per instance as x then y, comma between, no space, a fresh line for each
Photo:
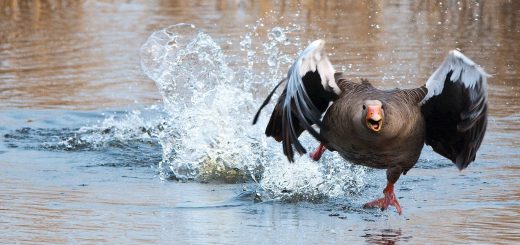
118,124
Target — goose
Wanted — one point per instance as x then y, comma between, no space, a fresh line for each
382,129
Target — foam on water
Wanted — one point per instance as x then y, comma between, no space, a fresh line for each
208,135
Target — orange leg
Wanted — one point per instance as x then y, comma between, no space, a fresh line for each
316,154
386,201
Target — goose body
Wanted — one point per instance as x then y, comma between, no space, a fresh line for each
397,144
384,129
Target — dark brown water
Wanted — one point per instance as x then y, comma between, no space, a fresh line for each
64,66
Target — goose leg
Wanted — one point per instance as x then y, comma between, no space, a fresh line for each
316,154
389,199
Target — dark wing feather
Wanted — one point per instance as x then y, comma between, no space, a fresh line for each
309,90
266,101
455,109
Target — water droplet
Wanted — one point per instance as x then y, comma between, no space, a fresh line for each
278,34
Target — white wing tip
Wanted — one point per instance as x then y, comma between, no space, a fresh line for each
310,57
457,54
463,68
316,46
315,58
319,42
461,56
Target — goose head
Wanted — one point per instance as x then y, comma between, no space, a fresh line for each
373,115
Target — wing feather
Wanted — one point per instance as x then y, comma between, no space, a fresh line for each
455,109
309,90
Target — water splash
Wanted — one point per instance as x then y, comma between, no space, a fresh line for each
209,135
206,108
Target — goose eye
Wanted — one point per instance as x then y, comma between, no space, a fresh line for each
364,107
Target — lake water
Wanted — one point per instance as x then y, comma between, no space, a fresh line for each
118,125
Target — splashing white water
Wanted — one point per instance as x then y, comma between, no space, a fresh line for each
210,106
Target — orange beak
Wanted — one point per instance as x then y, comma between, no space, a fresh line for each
374,118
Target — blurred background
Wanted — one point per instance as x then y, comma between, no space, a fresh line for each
75,54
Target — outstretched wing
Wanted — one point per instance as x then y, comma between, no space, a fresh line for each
309,90
455,109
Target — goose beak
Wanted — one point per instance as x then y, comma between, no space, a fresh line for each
374,118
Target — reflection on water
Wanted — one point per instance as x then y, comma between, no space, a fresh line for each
385,236
55,186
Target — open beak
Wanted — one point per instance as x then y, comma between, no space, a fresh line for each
374,118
